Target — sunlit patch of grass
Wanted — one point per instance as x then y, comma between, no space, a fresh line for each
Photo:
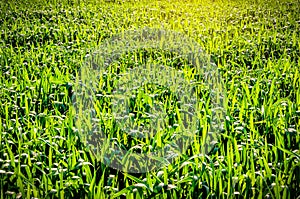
254,44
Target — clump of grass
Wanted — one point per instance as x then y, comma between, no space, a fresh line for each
254,44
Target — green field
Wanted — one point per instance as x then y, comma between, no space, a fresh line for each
255,45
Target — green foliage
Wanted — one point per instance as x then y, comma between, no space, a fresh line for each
256,46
